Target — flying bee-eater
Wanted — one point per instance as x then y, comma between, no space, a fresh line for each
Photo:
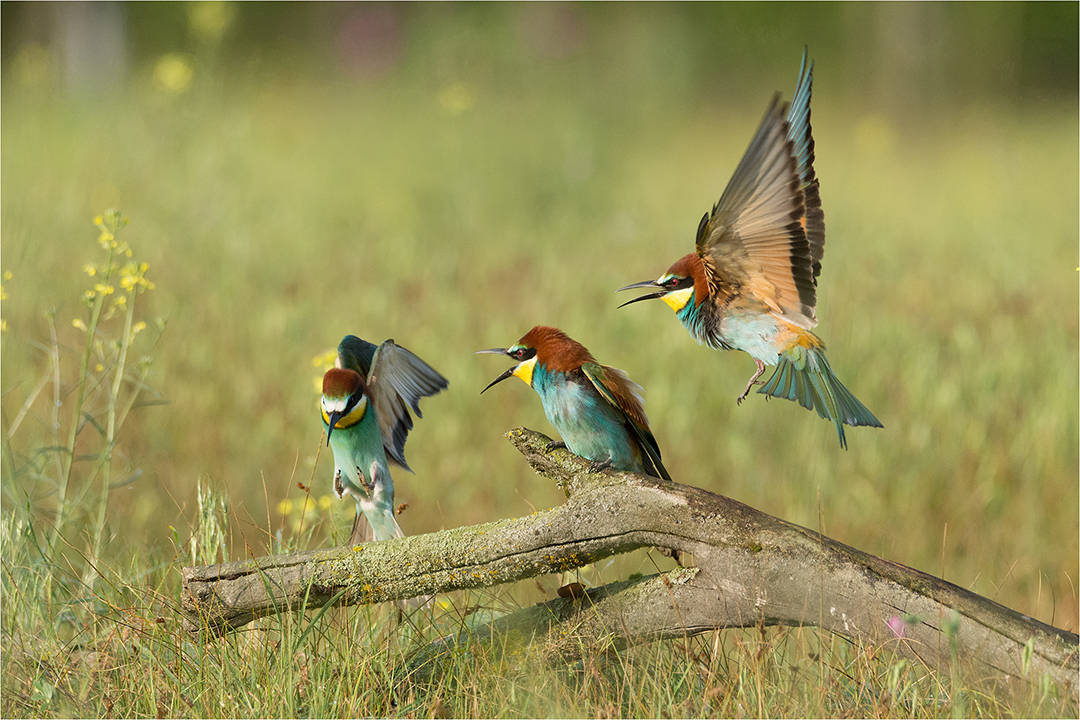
366,400
596,408
751,284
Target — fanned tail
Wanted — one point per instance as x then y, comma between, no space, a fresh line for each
803,375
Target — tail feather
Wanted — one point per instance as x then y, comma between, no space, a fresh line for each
803,375
383,523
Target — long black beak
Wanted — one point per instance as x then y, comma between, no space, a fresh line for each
643,284
508,373
496,381
334,417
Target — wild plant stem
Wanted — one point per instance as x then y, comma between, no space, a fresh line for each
31,398
112,427
65,467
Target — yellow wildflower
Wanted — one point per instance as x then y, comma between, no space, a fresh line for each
90,270
173,72
210,19
77,323
104,289
325,359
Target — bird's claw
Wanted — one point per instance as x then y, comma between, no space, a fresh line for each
369,487
554,445
749,385
598,466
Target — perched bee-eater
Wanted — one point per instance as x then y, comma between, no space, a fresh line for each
596,408
366,399
751,284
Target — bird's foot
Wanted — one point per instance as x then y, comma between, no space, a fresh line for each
753,381
554,445
598,466
339,489
749,385
369,487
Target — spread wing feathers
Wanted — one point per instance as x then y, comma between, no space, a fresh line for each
802,139
397,380
625,394
756,239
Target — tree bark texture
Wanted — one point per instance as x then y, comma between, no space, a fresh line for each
751,569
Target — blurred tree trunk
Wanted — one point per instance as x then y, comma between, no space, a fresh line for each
751,570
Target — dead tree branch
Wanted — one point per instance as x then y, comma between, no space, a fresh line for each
752,569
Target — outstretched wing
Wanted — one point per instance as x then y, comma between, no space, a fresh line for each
397,380
766,236
625,394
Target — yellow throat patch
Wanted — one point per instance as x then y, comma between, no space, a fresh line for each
524,370
355,415
678,298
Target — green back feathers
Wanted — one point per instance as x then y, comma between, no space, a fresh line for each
356,354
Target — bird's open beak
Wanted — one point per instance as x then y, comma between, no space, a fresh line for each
334,417
508,373
643,284
496,381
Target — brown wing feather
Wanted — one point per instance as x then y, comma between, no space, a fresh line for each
617,387
755,242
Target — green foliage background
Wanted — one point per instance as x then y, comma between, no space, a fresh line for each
450,175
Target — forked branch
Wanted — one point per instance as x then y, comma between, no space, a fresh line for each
751,569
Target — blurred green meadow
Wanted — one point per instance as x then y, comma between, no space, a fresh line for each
451,175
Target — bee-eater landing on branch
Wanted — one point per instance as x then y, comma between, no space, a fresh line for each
366,399
596,409
751,284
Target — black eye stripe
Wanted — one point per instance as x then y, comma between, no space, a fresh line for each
522,354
